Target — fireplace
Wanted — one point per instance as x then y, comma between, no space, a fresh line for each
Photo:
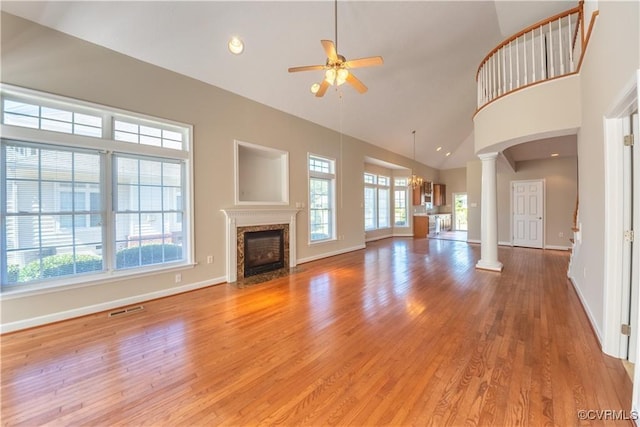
263,251
241,221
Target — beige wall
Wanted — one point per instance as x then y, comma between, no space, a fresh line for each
612,60
456,182
560,177
46,60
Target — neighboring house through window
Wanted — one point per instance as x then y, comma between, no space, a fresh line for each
59,160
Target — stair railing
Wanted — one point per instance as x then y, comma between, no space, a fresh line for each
546,50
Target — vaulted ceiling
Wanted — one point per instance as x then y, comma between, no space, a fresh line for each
431,52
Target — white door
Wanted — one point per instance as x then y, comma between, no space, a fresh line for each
528,213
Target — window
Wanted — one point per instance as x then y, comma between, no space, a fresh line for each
377,202
321,199
400,197
57,220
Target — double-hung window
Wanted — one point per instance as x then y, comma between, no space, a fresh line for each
89,192
377,202
322,217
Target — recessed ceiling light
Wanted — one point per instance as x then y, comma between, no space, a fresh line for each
439,148
448,154
554,154
315,88
236,46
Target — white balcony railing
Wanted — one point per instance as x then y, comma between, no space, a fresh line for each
548,49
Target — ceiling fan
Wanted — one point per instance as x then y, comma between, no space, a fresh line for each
337,67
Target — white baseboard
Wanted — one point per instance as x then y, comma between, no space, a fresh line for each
557,247
329,254
505,244
373,239
586,310
97,308
473,241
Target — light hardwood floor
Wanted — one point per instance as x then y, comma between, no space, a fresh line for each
405,332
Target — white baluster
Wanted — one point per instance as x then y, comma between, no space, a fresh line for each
511,65
551,70
571,66
542,67
493,77
524,54
517,65
504,68
533,56
560,43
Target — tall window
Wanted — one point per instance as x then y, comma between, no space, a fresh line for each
377,203
400,206
321,199
88,190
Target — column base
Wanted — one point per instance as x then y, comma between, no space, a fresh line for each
489,265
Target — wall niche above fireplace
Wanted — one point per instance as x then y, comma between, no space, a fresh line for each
262,175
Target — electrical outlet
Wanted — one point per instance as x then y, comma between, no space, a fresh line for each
561,234
178,278
210,259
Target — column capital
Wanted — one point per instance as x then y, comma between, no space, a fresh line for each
488,156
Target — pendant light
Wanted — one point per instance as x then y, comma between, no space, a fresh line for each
415,181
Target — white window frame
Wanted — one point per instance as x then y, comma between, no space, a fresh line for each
373,181
400,186
108,146
331,178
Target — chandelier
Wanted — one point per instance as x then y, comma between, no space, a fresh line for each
415,181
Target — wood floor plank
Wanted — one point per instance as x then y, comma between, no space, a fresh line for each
404,332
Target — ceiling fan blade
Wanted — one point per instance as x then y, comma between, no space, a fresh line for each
356,83
307,68
330,50
323,88
364,62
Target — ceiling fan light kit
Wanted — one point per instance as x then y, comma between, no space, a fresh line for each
236,46
337,67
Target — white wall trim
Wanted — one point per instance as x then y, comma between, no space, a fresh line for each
330,254
558,247
97,308
590,316
373,239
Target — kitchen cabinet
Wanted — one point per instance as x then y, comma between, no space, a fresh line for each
417,196
439,194
420,225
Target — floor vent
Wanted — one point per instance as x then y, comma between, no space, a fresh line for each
127,310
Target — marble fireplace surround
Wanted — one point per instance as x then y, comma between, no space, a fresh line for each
252,220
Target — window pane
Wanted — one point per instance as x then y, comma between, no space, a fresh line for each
400,209
153,234
369,208
56,165
127,171
383,208
55,241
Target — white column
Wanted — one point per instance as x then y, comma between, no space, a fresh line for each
489,212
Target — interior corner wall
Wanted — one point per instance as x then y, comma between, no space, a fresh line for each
611,62
36,57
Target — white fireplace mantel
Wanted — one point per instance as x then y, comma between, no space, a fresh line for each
237,217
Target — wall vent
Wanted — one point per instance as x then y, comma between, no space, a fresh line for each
127,310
